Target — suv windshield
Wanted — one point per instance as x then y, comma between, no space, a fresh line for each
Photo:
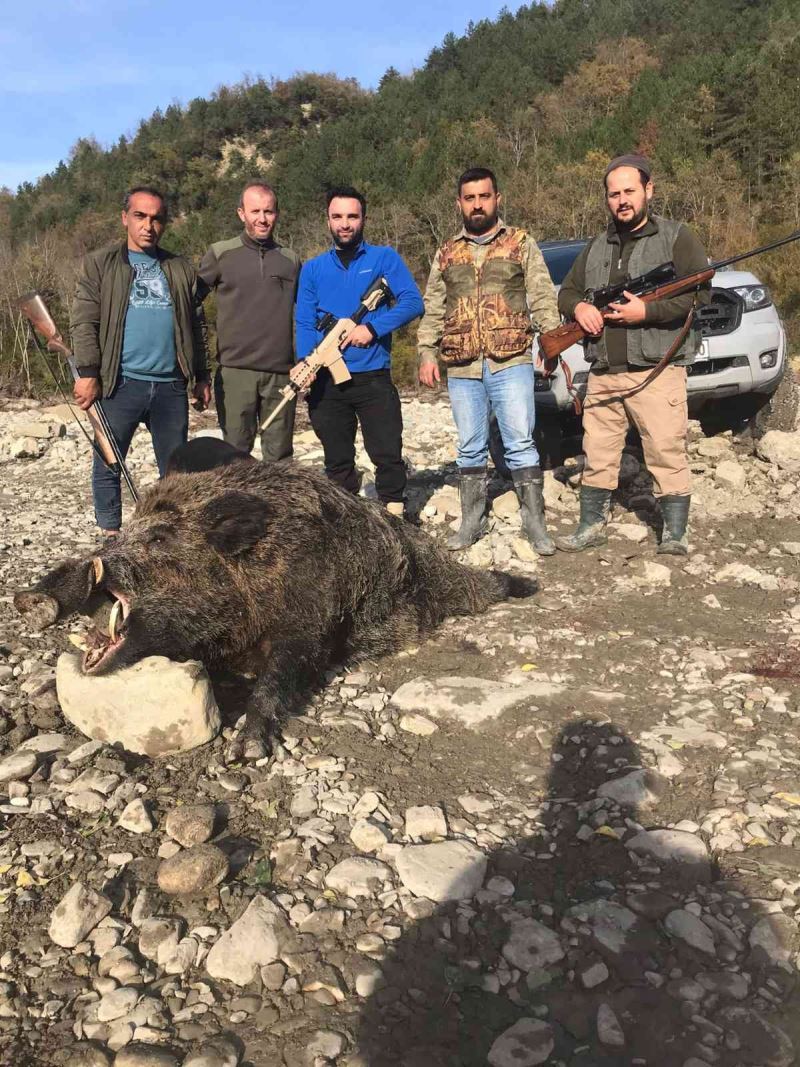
559,257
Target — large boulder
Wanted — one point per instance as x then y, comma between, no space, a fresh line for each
780,448
155,708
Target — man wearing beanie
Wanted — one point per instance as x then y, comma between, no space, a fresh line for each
624,343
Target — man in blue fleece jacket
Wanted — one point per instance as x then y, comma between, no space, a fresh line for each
334,282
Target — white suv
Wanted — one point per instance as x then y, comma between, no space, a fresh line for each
743,352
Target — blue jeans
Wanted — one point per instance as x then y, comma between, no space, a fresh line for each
507,392
163,407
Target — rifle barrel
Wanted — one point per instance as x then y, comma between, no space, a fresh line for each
756,251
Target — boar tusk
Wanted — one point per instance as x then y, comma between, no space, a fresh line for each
79,641
113,619
97,564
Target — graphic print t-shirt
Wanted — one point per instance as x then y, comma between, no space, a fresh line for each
148,347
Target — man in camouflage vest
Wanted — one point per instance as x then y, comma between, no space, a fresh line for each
488,292
625,341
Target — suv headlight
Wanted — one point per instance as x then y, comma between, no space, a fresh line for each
754,296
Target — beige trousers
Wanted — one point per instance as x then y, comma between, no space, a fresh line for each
658,412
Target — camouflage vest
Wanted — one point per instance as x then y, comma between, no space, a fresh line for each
486,312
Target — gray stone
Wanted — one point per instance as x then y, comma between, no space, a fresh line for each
471,701
687,927
192,824
532,945
417,724
78,912
639,789
154,932
326,1043
369,836
155,708
254,941
116,1004
525,1044
773,940
219,1052
780,448
358,876
679,849
614,928
730,475
193,871
19,764
447,870
609,1030
594,975
140,1055
136,818
425,822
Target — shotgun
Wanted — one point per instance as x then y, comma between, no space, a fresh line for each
35,311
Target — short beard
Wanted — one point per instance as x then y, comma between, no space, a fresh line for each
637,220
350,242
480,224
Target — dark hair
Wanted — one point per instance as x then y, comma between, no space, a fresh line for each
151,190
644,177
477,174
256,184
348,193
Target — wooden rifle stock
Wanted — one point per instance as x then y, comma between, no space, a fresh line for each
35,311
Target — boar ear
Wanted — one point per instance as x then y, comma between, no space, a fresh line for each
235,521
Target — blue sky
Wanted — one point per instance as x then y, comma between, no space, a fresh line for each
94,68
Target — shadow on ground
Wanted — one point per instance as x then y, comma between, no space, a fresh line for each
593,943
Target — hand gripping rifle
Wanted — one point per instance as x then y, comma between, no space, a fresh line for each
35,311
661,283
328,352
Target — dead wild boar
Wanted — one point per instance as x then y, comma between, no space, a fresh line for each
268,565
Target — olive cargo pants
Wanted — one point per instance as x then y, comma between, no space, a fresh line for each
244,399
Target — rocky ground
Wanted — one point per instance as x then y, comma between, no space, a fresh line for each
564,833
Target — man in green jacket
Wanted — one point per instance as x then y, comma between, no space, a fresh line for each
138,341
255,281
624,343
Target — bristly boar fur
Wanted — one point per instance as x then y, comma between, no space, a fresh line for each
271,564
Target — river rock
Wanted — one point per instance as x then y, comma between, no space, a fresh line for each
19,764
525,1044
156,707
78,912
192,824
780,448
471,701
254,940
532,945
141,1055
358,876
638,789
684,852
192,871
219,1052
446,870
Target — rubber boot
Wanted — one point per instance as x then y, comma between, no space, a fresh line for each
472,490
529,485
675,512
591,530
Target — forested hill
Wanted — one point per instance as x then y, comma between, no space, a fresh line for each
709,88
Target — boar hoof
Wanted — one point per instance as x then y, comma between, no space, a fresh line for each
38,609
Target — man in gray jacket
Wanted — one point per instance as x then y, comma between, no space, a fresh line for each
138,339
255,280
